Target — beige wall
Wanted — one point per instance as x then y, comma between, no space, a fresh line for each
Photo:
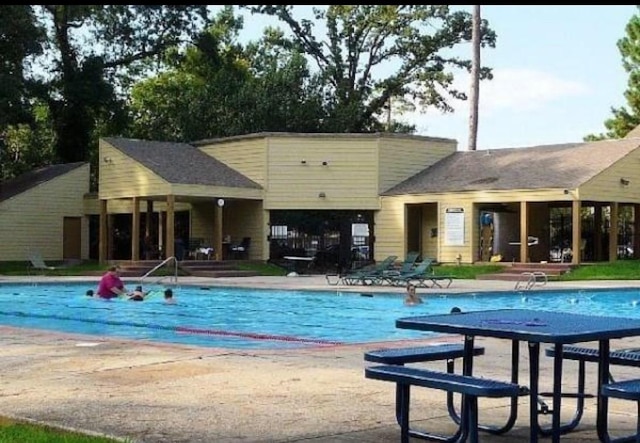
247,156
401,158
33,220
203,222
246,219
91,205
429,222
606,186
121,176
297,176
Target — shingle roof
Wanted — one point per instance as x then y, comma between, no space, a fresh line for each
28,180
548,166
181,163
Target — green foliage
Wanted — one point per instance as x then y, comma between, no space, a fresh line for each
27,147
20,39
79,62
265,269
626,118
218,88
13,432
24,268
362,41
466,271
618,270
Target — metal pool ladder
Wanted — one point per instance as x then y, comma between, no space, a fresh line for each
532,278
165,262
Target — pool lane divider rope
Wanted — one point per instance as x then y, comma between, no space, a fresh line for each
179,329
254,336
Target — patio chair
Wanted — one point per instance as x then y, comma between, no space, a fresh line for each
38,263
368,275
241,250
407,266
417,274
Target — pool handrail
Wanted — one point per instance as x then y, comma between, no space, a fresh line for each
166,261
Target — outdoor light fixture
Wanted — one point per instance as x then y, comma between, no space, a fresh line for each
325,163
304,162
107,160
624,181
322,195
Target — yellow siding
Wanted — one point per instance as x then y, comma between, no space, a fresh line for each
297,176
389,229
606,186
429,247
247,219
121,176
247,156
401,158
217,191
33,220
91,206
390,235
202,222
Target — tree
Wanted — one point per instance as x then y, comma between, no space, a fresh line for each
21,39
217,87
364,41
475,80
93,53
626,118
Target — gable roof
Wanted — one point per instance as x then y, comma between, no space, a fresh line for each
181,163
549,166
22,183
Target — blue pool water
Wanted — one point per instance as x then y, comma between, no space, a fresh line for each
268,319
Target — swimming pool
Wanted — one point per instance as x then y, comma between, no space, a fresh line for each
268,319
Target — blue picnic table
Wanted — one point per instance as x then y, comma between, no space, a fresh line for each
536,327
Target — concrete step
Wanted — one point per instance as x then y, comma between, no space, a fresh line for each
207,267
514,272
225,273
506,276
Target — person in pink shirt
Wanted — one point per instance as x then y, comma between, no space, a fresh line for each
110,285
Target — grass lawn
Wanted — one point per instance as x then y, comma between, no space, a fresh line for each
618,270
13,431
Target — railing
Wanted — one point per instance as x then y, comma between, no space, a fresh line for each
532,279
164,263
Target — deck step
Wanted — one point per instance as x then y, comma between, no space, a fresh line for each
515,271
225,273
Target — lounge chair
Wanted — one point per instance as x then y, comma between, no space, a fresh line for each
417,275
38,263
368,275
407,265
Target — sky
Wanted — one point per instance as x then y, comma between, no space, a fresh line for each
557,74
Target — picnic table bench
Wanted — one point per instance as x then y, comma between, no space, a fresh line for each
471,387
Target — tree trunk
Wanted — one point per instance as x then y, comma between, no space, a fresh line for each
475,80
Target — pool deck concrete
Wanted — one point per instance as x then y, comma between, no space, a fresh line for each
145,392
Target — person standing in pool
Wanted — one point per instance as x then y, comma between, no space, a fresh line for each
111,286
412,298
168,297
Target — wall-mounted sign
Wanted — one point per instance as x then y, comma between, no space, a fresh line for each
454,227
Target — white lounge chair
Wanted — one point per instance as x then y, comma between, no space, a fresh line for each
38,263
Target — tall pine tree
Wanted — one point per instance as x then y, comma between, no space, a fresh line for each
627,117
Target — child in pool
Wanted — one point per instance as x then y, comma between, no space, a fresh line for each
168,297
138,294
